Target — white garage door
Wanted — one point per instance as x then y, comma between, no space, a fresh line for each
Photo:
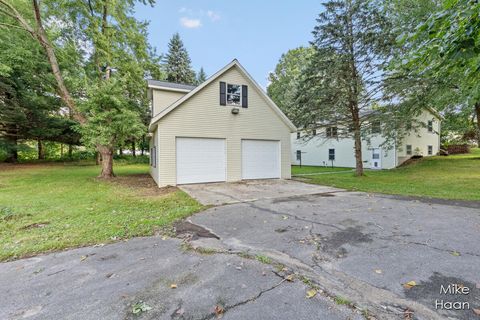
260,159
200,160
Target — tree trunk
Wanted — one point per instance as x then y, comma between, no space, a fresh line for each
40,34
107,162
142,148
41,150
61,150
70,151
97,158
120,151
12,156
358,154
477,113
133,149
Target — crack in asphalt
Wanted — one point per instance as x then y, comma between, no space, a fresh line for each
244,302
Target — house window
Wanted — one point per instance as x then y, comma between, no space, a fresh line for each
430,126
299,155
298,135
430,150
153,157
409,149
234,94
376,127
314,132
331,154
351,128
332,132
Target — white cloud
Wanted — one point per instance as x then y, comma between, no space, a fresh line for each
213,15
190,23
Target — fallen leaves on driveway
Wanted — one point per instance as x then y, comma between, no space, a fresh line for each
219,311
409,284
311,293
476,311
379,271
455,253
173,286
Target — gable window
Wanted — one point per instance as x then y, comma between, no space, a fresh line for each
409,149
331,154
298,135
430,150
430,126
376,127
332,132
234,94
299,155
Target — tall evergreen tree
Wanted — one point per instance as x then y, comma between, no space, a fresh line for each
201,76
344,77
178,63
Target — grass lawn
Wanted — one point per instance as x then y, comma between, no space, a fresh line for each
452,177
49,207
297,170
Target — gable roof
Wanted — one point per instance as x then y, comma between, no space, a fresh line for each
156,84
194,91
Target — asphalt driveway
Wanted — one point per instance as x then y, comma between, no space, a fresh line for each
258,259
364,247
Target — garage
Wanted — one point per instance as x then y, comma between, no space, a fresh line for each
200,160
260,159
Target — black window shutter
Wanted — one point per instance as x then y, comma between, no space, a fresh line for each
244,96
223,93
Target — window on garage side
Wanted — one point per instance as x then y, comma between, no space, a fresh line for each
331,154
430,150
299,155
153,157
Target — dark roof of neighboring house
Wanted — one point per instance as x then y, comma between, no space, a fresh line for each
172,85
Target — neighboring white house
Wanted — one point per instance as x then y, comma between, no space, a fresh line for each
326,148
226,129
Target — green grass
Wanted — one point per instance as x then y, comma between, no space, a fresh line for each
297,170
452,177
72,208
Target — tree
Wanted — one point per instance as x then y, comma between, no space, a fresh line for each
284,79
109,49
201,76
177,62
29,108
345,75
445,48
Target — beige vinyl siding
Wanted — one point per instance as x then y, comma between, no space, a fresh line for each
202,116
163,98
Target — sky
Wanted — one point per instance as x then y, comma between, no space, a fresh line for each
217,31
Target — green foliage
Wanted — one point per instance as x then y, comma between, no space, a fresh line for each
177,62
438,62
61,206
284,79
201,76
111,117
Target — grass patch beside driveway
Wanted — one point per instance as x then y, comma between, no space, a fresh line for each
52,207
453,177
